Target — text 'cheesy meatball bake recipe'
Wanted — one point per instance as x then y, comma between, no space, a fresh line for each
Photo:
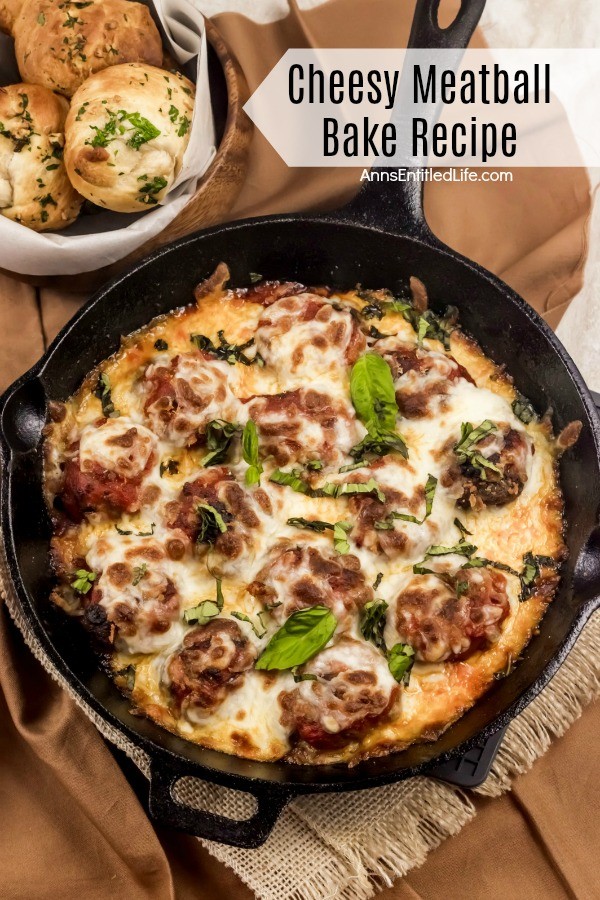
304,524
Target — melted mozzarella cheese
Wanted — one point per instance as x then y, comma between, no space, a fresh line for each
117,445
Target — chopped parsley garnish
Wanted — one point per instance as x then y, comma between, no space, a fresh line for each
137,129
149,189
83,581
103,392
231,353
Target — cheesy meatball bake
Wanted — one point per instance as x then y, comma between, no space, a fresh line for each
304,524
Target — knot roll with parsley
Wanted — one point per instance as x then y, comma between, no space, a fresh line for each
60,43
34,188
126,135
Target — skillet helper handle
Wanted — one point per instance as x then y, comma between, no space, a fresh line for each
397,205
249,833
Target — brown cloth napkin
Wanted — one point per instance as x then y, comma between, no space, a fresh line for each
71,825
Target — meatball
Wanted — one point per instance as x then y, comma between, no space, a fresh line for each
212,661
304,335
305,424
509,451
242,513
450,619
304,576
107,467
353,690
182,397
421,377
137,596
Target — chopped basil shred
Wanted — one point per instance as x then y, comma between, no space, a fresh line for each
372,622
83,581
299,639
341,544
211,524
139,572
250,453
103,392
466,448
387,524
400,661
206,610
244,618
170,466
294,480
311,524
523,410
124,531
219,435
230,353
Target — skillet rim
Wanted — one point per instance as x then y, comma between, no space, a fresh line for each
341,777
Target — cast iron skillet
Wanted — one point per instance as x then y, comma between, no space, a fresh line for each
379,240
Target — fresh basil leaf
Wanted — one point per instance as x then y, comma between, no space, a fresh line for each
311,524
104,394
372,622
250,453
373,395
219,435
299,639
469,436
244,618
400,661
341,530
82,583
314,465
255,277
374,399
230,353
422,330
170,466
523,410
139,572
211,523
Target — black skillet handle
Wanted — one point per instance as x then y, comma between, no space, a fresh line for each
397,206
249,833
